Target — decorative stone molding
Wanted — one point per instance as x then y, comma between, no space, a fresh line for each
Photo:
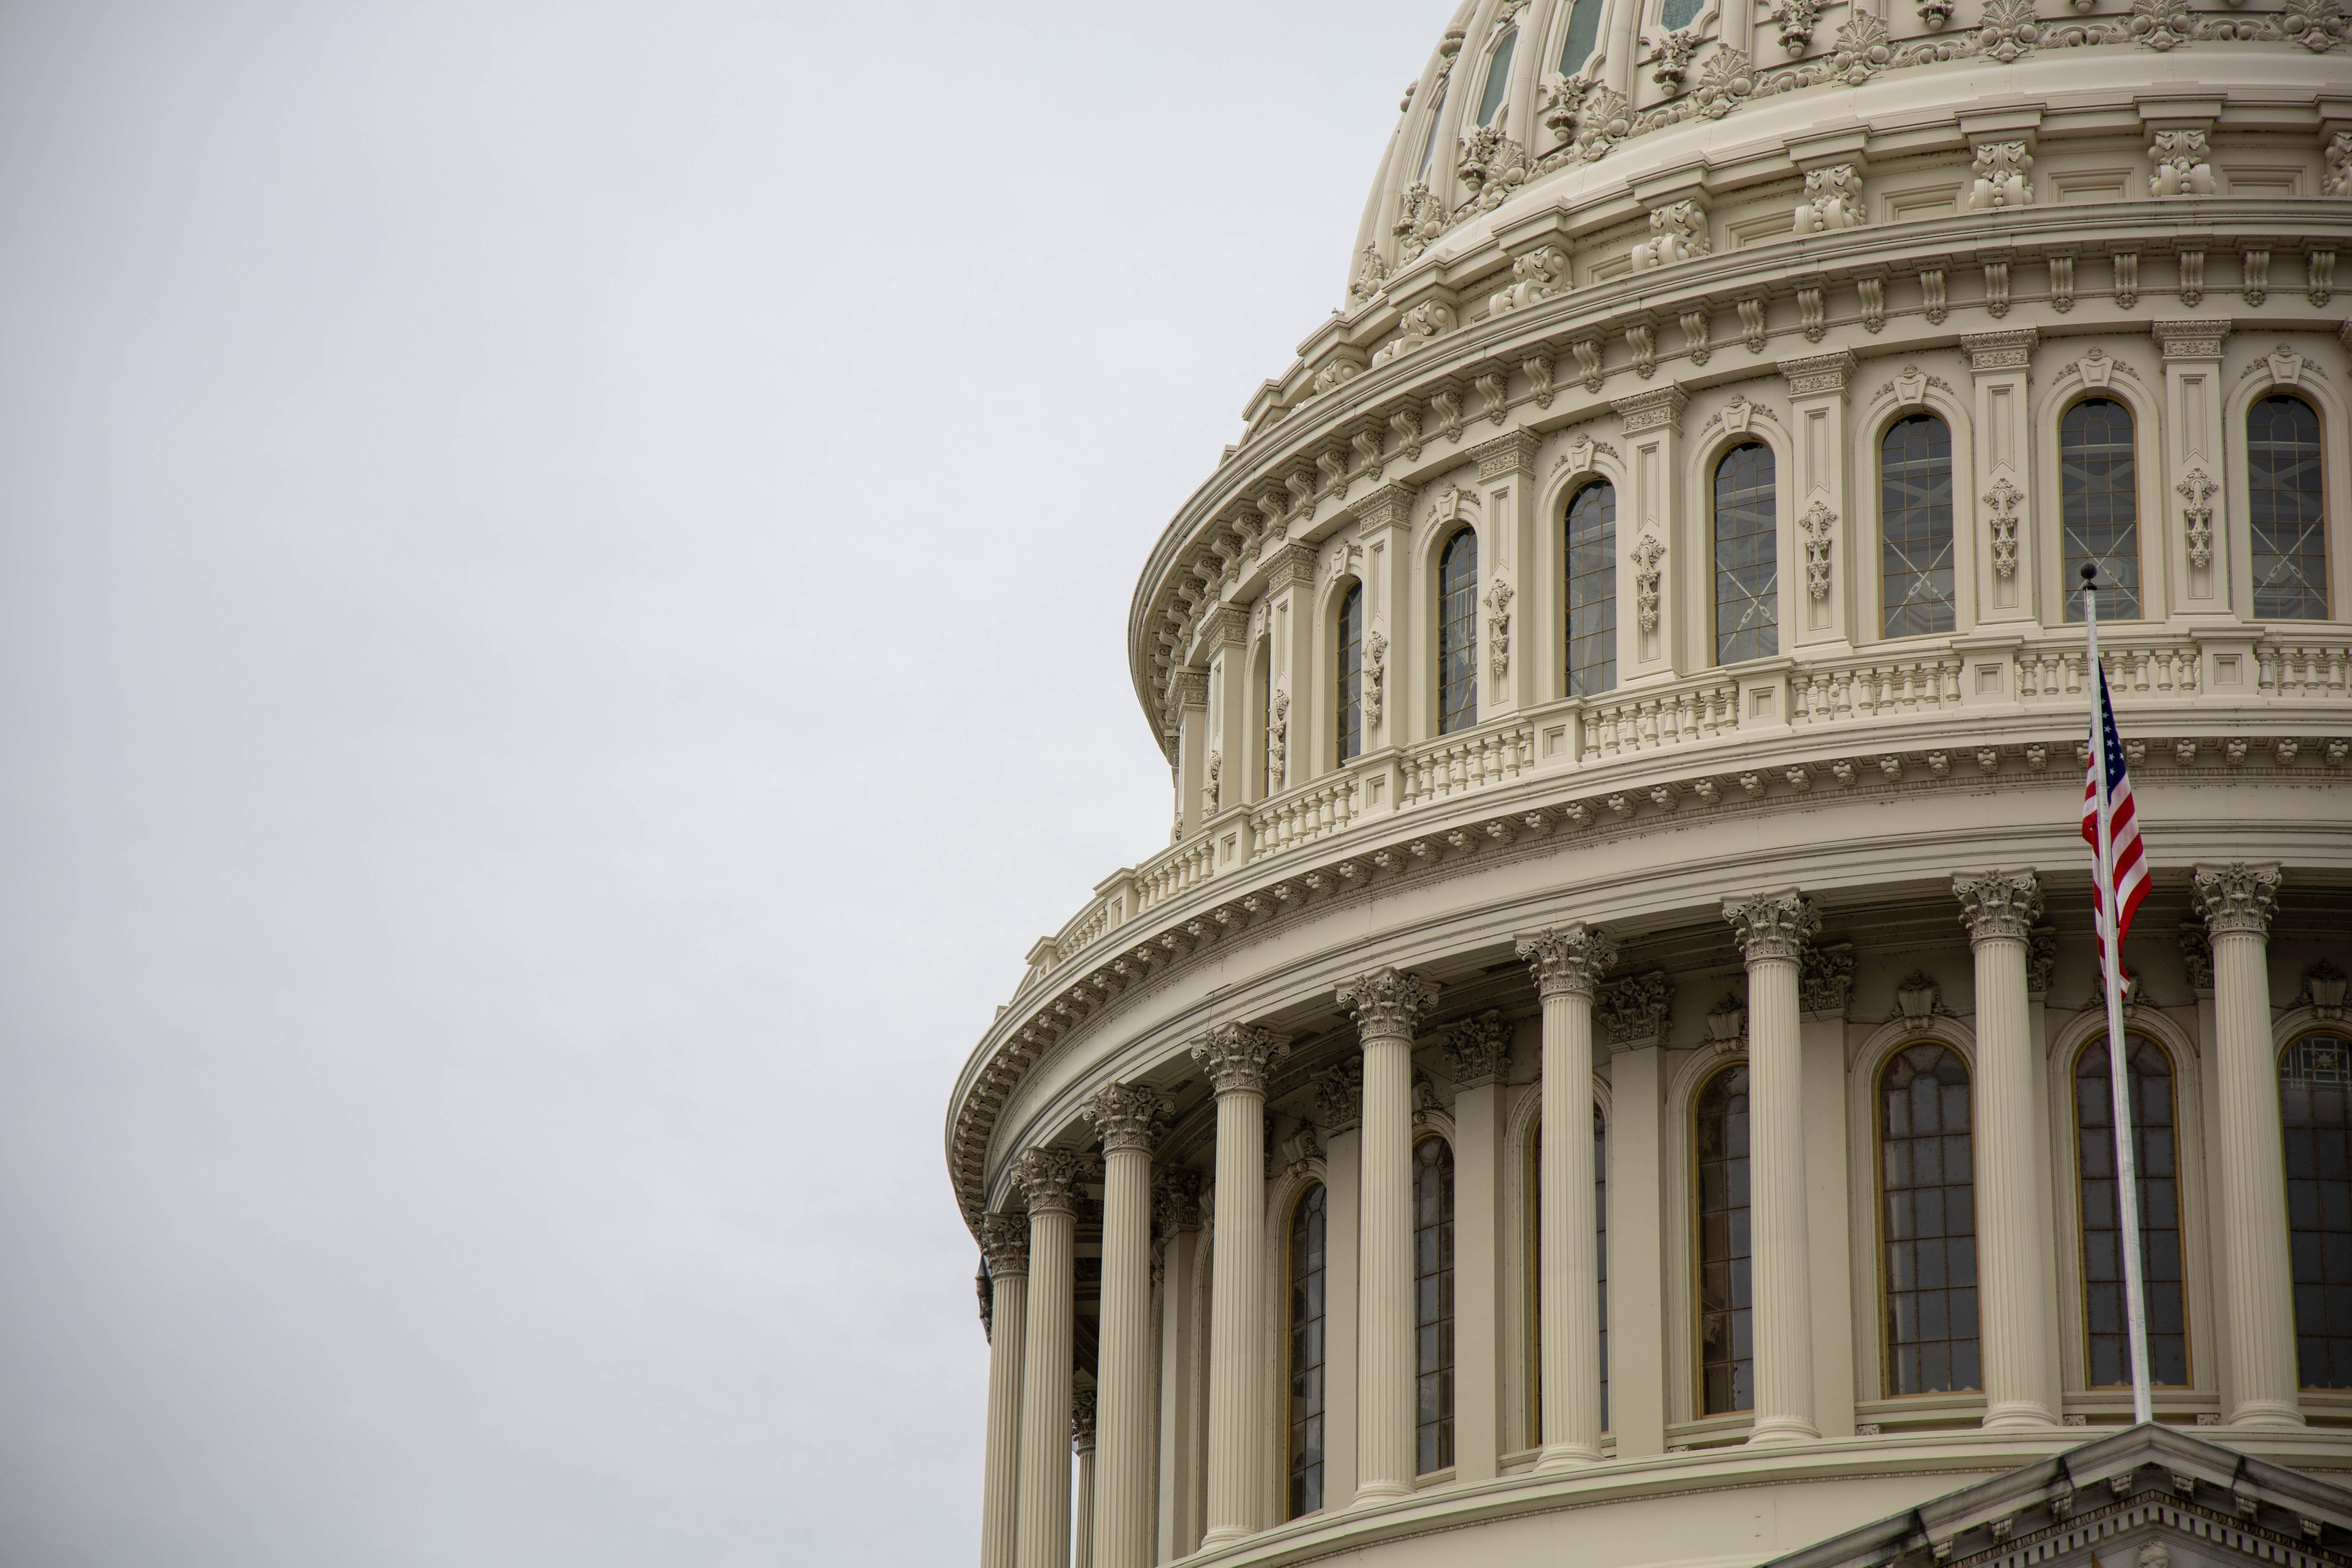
1493,165
1539,275
1832,199
1372,275
1677,233
1387,1001
1917,998
1237,1056
1633,1012
1429,320
1568,960
1340,1095
1816,527
1514,453
1768,926
1048,1179
1126,1116
1478,1050
1816,375
1004,1243
1797,20
2190,339
1537,369
2040,959
2001,510
1082,1421
2238,898
1999,905
2182,165
1825,979
1175,1201
2009,350
1726,1022
1642,338
1213,778
2197,955
1498,628
2322,991
1647,553
1301,1151
1659,410
2197,516
2000,167
1376,649
2337,179
1421,218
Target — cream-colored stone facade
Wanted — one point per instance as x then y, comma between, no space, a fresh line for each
1872,322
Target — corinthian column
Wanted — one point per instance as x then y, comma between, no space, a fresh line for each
1236,1057
1568,963
2237,902
1771,929
1049,1179
1387,1004
2016,1303
1004,1239
1082,1445
1120,1428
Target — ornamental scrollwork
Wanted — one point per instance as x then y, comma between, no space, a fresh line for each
1999,904
1493,165
2001,503
1825,978
1387,1001
1048,1179
1568,960
1340,1095
1647,553
2197,516
1832,199
1539,275
1768,926
1999,179
1127,1117
2009,31
1817,526
1237,1056
1498,628
1429,320
1677,233
2182,164
2237,898
1376,649
1633,1011
1478,1050
1421,218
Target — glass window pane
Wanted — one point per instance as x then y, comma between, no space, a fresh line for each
1915,484
1592,555
1928,1238
2098,504
2162,1278
1433,1208
2314,1074
1305,1383
1498,79
1350,665
1726,1366
1583,32
1457,634
1746,566
2285,509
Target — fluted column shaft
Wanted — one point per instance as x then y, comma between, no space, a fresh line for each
2015,1300
1771,931
1236,1057
1128,1118
2238,901
1006,1240
1387,1004
1082,1445
1568,963
1049,1178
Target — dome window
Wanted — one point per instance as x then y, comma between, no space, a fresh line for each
2288,511
1676,15
1498,79
1583,32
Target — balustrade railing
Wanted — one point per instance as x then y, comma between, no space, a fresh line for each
2296,667
1875,688
1625,726
1456,764
1303,816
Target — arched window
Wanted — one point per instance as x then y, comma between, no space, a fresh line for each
2315,1106
1601,1246
1583,31
1457,634
1727,1351
1929,1222
2285,498
1269,772
1436,122
1350,665
2156,1160
2098,504
1746,568
1591,554
1498,79
1306,1226
1914,522
1676,15
1535,1266
1433,1295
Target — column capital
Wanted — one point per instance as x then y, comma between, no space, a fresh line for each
1997,905
1568,960
1478,1050
1772,925
2238,898
1237,1055
1126,1116
1387,1001
2196,955
1048,1178
2191,340
1660,409
1825,978
1634,1010
2040,959
1004,1242
1175,1201
1512,453
1082,1421
1340,1095
1817,375
1989,352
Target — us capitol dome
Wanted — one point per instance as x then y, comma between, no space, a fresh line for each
1610,1066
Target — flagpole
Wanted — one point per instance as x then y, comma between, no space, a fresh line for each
2111,971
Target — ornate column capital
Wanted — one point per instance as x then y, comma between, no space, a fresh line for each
1126,1116
2041,959
1340,1095
1568,960
1634,1010
1387,1001
1048,1178
1004,1242
2238,898
1082,1421
1478,1050
1236,1057
1772,925
1825,978
1999,905
1175,1201
2196,955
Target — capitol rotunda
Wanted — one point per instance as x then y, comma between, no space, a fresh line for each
1610,1066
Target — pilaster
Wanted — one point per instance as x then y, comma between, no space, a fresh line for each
1824,989
1507,596
2193,476
1478,1241
1637,1225
2002,542
1652,641
1820,604
1176,1212
1384,530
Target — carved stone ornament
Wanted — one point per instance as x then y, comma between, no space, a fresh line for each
1208,789
1478,1050
2197,516
2010,30
1236,1057
1387,1001
1175,1201
1429,320
1726,1021
1825,978
1302,1149
1539,275
2237,898
1917,998
2000,166
1004,1242
1816,526
1082,1421
1126,1116
2322,991
2040,959
2338,180
2183,166
1633,1012
1340,1095
1421,218
1999,905
1647,553
1376,649
1677,233
2197,955
1832,200
1498,628
1568,960
1371,272
1277,742
1493,165
1770,926
1048,1179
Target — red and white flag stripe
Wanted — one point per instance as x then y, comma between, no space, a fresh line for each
2129,861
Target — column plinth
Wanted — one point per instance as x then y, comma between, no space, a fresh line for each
1236,1057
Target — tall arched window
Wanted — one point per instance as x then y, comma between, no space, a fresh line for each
1350,665
1498,79
1676,15
1432,1294
1269,772
2098,505
1928,1222
1727,1351
2315,1106
1747,567
1583,31
2156,1160
1457,634
1592,555
1306,1226
1535,1266
1436,122
1914,522
2285,506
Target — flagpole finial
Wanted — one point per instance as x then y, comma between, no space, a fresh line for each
2090,570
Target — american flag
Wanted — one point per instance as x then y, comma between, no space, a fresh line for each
2129,862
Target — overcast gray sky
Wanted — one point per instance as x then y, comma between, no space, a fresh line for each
562,571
